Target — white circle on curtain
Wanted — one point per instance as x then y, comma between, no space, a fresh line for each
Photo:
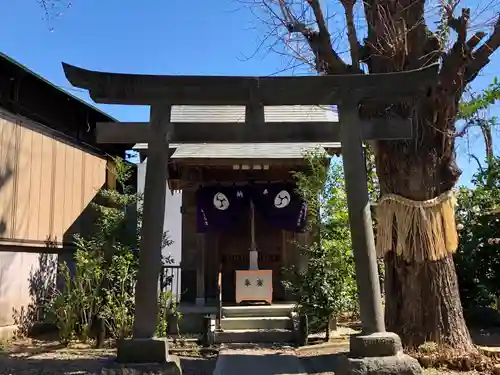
282,199
221,202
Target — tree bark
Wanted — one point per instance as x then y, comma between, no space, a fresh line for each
424,303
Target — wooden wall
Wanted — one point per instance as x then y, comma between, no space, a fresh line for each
46,185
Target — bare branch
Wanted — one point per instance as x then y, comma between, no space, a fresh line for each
465,129
455,23
351,32
327,60
54,8
455,59
472,156
481,57
475,40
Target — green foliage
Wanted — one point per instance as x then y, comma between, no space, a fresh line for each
471,108
63,310
119,294
166,309
478,257
102,284
474,114
326,286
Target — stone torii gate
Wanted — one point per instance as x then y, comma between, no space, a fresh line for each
346,91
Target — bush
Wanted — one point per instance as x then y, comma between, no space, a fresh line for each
100,293
478,257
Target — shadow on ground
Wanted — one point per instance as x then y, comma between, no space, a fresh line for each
71,364
484,326
198,366
489,337
322,363
59,366
268,363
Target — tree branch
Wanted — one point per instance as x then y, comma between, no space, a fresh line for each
465,129
481,57
327,60
456,58
54,8
472,156
351,32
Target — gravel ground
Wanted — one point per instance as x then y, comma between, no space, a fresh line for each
39,357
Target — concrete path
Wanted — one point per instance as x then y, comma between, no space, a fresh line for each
255,359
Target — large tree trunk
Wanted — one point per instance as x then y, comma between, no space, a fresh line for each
422,298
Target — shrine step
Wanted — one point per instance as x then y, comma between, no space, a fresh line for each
275,310
254,336
257,322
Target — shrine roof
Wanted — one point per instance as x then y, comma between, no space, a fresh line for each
295,113
247,150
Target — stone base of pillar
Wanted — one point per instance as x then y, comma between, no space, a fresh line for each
378,353
147,351
200,301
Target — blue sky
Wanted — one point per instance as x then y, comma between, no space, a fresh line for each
157,37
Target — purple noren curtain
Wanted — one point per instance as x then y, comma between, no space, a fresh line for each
219,207
280,204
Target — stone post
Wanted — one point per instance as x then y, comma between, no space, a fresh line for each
200,269
253,253
374,351
144,347
254,115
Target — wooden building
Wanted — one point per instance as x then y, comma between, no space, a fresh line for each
204,254
50,170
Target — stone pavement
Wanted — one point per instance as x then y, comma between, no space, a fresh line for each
257,359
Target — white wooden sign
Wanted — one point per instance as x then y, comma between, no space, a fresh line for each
254,285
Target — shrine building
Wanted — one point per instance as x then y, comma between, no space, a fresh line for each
240,214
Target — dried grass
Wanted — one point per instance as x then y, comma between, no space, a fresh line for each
438,358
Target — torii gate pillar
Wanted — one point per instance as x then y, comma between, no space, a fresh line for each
374,351
145,347
360,221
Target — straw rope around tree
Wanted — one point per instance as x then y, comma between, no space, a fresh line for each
417,230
